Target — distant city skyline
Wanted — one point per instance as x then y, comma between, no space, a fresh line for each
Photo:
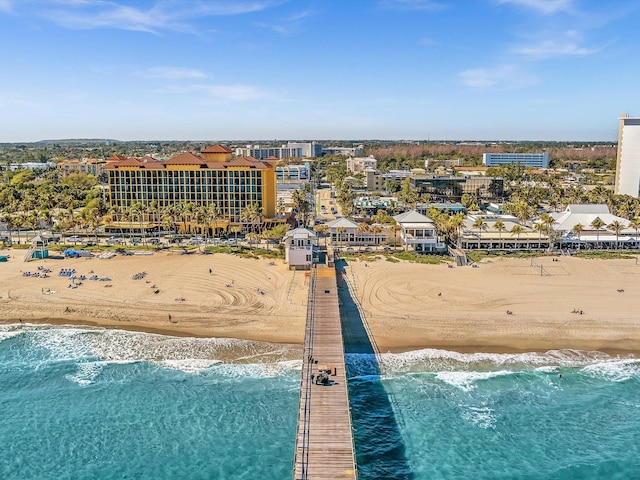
548,70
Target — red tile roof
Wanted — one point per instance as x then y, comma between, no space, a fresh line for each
190,159
185,159
216,149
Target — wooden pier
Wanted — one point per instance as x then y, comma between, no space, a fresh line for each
324,444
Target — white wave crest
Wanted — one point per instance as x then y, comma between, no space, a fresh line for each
615,371
7,334
193,365
86,373
439,360
465,380
482,417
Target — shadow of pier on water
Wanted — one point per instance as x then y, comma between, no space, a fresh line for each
380,450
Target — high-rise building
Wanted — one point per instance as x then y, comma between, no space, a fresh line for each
628,160
231,185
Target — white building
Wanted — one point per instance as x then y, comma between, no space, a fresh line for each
535,160
351,151
290,150
299,245
360,164
628,161
589,236
418,232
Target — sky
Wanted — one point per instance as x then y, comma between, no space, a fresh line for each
318,69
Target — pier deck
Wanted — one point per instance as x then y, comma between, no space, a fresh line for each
324,445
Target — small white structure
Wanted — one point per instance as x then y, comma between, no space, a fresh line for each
418,232
299,245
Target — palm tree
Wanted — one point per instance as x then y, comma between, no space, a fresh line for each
597,224
363,228
616,227
376,230
540,227
322,229
457,221
215,214
235,229
480,225
577,230
340,234
517,230
499,225
548,221
635,224
395,228
252,215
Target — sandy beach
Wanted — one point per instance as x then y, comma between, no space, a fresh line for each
407,306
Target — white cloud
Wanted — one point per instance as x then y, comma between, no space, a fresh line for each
171,73
226,93
501,76
551,48
411,4
162,15
546,7
5,6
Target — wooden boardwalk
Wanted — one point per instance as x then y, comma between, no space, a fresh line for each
324,445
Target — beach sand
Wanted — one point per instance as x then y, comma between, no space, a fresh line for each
407,306
240,298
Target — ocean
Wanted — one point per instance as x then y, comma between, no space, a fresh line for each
90,403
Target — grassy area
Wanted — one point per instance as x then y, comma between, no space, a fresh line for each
603,255
420,258
478,255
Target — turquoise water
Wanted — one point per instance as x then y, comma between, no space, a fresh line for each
80,403
485,416
77,404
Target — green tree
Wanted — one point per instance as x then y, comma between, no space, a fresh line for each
597,224
577,230
480,225
616,227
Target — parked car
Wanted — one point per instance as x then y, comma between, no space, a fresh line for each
114,241
74,239
195,241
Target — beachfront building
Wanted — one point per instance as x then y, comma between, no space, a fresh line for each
344,232
534,160
628,159
592,226
232,185
500,232
299,247
418,232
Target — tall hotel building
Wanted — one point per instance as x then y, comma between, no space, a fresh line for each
535,160
628,160
213,177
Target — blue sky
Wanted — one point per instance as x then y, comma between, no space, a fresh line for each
312,69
